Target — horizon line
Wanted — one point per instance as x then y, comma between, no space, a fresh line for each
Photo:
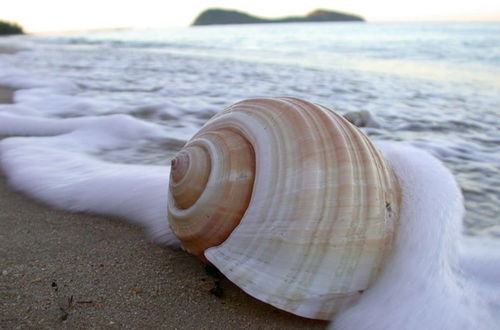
125,28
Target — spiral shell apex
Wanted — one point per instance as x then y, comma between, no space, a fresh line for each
289,201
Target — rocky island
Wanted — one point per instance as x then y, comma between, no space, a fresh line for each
227,16
8,28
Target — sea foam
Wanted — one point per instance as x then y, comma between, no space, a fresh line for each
55,159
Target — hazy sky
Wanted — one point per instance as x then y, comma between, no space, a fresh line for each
60,15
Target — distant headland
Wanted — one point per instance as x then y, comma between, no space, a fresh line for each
8,28
214,16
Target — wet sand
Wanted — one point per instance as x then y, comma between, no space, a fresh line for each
62,270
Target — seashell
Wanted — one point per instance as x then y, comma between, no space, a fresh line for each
289,201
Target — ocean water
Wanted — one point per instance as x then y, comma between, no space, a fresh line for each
98,116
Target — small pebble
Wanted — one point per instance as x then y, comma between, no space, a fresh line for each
4,272
137,290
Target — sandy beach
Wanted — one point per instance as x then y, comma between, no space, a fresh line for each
63,270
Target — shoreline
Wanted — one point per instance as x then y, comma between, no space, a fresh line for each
64,270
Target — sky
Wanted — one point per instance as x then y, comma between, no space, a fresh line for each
68,15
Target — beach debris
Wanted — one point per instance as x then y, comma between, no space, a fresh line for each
65,305
275,194
65,309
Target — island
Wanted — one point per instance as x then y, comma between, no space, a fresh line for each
8,28
214,16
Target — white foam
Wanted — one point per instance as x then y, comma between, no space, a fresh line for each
427,283
57,168
49,102
10,76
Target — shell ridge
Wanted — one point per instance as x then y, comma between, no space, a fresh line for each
358,225
262,180
259,109
341,136
317,122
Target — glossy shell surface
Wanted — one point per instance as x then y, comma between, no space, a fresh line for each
289,201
